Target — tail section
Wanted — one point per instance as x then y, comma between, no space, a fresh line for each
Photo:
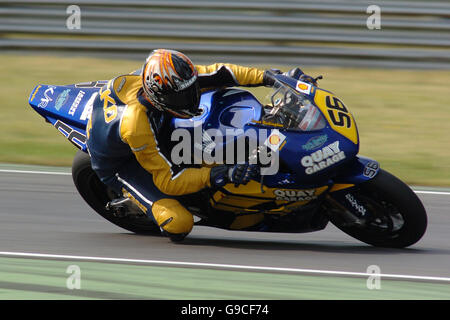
67,108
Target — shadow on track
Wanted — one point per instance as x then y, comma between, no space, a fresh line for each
287,245
336,247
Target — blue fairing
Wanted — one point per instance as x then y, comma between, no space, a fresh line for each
224,109
234,109
358,170
66,107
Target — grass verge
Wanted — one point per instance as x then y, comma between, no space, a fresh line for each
403,116
31,279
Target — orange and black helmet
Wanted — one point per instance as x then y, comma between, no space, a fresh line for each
170,83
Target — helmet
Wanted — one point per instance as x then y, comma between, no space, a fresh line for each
170,83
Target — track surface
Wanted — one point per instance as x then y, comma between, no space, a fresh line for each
44,214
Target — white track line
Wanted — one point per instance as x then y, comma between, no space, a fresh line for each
36,172
432,192
68,174
223,266
214,265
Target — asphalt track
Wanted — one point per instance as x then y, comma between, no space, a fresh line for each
43,213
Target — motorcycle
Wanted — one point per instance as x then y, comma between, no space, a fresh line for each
320,177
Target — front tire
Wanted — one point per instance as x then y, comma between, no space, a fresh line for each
97,195
393,214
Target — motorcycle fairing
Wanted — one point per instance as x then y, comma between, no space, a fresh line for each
76,136
66,107
357,171
234,108
223,109
337,115
248,198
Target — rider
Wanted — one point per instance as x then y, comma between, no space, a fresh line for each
127,131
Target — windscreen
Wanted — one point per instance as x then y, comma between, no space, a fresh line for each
293,110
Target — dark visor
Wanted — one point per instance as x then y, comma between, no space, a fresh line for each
187,99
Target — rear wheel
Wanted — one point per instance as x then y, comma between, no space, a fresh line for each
388,213
97,195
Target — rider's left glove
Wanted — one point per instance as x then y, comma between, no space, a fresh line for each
309,79
298,74
268,80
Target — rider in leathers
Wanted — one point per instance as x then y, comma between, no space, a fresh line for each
126,134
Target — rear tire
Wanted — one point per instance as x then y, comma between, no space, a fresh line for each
395,217
97,195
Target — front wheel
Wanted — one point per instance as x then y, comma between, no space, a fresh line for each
387,212
97,195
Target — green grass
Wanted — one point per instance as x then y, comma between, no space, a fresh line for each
30,279
403,116
26,137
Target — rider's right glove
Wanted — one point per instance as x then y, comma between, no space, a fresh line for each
243,173
238,174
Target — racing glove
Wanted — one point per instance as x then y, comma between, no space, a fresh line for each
238,174
267,79
243,173
298,74
219,176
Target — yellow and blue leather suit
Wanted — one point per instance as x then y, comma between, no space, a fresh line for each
124,139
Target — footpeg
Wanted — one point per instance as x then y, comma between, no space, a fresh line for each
123,207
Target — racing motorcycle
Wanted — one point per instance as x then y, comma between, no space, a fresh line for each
319,177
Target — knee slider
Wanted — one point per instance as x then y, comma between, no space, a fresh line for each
172,217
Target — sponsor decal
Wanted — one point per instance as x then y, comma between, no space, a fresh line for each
61,99
371,169
287,180
76,102
295,195
315,142
183,84
212,146
355,204
35,91
266,123
323,158
86,114
303,87
48,93
275,140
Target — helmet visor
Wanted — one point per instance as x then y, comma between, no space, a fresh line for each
185,103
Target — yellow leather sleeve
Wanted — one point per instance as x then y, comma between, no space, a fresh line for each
226,74
136,132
